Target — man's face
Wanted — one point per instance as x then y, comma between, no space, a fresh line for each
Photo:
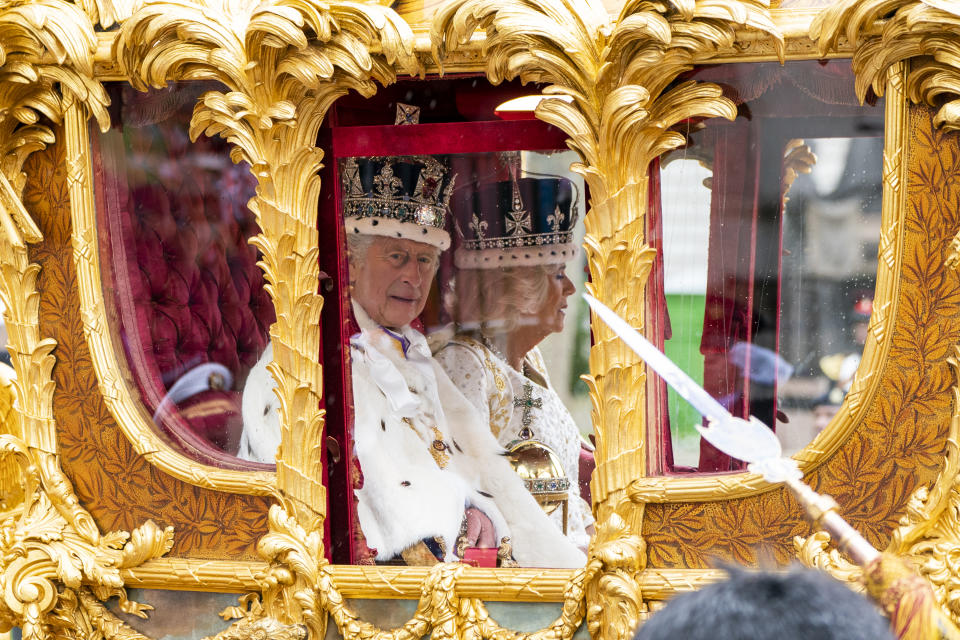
392,282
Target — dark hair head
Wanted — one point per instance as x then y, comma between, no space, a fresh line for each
798,604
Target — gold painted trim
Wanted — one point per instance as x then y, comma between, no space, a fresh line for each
402,583
888,32
707,488
55,565
121,399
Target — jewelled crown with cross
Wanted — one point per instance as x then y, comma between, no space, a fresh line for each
397,196
516,222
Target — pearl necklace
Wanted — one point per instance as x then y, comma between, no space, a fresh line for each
488,343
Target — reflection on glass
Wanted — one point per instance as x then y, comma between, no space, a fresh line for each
769,229
180,276
431,419
831,234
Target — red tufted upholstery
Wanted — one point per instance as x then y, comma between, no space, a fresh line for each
201,293
187,285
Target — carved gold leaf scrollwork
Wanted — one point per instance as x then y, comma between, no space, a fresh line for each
812,551
924,32
53,575
55,566
311,593
29,79
81,615
615,605
441,612
108,13
282,64
798,159
611,89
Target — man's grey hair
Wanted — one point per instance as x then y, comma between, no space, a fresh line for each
357,246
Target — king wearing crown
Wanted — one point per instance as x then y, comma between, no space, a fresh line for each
432,483
435,482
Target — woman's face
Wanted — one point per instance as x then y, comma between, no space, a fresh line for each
553,310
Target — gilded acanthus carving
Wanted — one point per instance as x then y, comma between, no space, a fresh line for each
108,13
614,602
442,612
887,32
798,159
29,35
611,89
55,566
282,65
252,624
813,552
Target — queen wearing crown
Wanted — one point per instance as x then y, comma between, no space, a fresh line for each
510,292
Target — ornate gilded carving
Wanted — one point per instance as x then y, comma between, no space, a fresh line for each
798,159
282,65
441,611
897,443
28,91
279,85
916,30
614,600
450,595
55,566
953,257
252,624
378,582
116,485
929,531
269,121
610,91
11,480
108,13
812,551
